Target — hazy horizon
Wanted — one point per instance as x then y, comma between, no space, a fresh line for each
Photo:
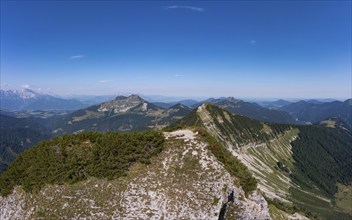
248,50
164,98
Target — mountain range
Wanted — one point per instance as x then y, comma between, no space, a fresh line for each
28,99
210,164
313,112
132,113
251,110
264,158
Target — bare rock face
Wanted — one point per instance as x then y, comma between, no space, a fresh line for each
185,181
11,207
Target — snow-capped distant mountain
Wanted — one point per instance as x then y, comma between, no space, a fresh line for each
18,94
27,99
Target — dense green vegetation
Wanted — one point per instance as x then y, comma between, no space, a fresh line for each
18,135
322,156
14,141
72,158
233,165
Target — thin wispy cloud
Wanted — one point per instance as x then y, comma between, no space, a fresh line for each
187,7
179,75
103,81
26,86
74,57
253,42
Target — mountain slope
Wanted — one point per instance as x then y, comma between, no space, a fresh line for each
298,167
252,110
335,122
14,141
151,187
316,112
130,113
16,136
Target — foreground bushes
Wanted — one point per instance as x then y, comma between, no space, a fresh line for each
72,158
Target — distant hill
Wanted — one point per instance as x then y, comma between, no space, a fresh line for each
315,112
274,104
174,113
252,110
27,99
186,102
122,114
163,104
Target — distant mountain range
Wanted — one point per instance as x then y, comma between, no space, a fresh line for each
252,110
274,104
314,112
28,99
187,102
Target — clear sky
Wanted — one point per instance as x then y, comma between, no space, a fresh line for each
248,49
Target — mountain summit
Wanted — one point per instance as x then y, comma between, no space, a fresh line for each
122,104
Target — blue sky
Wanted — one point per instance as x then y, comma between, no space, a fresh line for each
245,49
